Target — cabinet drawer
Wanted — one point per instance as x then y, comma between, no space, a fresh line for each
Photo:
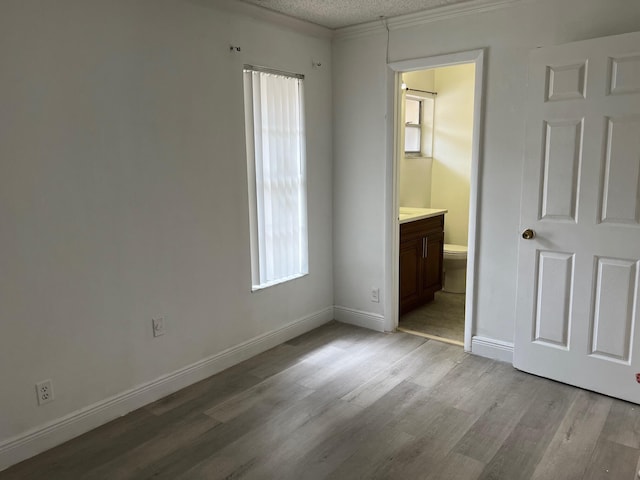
417,228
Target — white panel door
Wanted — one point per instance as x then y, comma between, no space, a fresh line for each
577,318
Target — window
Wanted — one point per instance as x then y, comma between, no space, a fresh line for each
418,132
275,136
413,125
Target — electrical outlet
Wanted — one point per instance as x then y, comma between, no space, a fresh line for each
44,391
158,326
375,295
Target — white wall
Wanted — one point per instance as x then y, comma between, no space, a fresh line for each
508,34
123,194
453,135
359,172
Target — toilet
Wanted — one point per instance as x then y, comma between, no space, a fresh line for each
455,268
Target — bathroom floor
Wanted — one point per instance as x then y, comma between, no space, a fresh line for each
443,317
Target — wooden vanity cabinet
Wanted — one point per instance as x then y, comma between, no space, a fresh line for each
421,261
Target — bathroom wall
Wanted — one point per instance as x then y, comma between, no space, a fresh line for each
443,181
421,80
415,172
452,148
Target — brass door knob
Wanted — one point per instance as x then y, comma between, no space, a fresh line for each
528,234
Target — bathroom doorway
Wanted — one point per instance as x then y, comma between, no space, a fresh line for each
436,162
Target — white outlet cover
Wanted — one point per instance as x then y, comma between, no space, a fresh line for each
375,294
44,391
158,326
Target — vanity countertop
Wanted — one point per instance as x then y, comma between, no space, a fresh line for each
411,214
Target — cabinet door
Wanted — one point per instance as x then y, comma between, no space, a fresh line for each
432,264
421,244
410,287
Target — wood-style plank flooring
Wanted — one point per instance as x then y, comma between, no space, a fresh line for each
443,317
343,403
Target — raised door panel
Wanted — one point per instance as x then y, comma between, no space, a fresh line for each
554,292
566,82
561,163
621,175
614,308
624,74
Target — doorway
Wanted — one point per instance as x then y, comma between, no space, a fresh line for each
466,235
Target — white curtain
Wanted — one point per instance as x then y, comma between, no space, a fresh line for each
279,210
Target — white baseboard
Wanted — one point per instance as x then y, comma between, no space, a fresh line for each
359,318
53,433
492,348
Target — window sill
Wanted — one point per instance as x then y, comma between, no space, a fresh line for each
255,288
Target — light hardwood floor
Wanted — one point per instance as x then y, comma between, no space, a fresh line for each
343,402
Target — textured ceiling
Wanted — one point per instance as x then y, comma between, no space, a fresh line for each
341,13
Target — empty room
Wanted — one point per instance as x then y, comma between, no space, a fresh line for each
281,239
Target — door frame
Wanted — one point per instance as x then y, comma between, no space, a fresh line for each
394,151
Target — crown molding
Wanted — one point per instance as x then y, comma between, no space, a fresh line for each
360,30
270,16
449,11
420,18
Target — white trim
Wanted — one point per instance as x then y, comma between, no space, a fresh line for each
53,433
474,200
393,131
492,348
437,61
392,201
445,12
359,318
